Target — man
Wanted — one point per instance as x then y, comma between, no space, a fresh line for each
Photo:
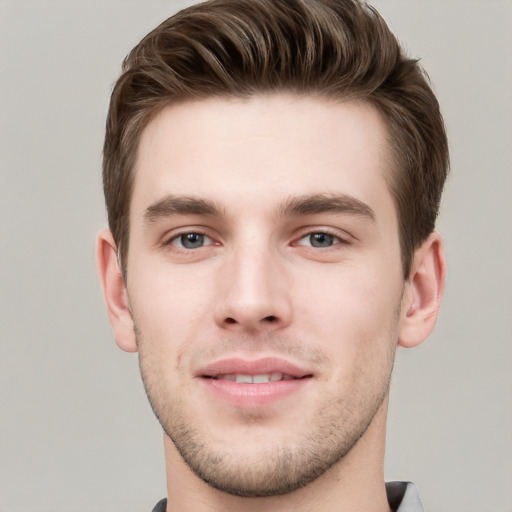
272,174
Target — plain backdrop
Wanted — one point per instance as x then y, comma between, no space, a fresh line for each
76,433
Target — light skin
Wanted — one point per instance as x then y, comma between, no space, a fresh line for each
264,241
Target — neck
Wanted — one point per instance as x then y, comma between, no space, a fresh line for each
355,483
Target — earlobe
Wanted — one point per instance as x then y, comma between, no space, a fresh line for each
423,293
115,293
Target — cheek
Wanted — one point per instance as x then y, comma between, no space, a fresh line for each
350,310
358,289
169,307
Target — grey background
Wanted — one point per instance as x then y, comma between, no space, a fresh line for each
76,433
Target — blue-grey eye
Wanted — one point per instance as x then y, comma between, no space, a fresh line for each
321,240
192,240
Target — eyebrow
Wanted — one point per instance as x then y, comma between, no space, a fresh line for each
293,207
325,203
180,205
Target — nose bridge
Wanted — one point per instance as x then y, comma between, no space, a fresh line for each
254,292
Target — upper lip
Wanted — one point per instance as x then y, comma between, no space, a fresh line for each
262,366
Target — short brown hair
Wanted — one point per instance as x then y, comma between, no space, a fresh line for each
333,49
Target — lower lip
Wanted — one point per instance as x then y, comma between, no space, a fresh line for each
254,395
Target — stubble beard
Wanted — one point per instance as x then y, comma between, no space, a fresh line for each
335,429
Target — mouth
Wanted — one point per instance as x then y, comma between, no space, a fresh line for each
260,371
241,378
246,383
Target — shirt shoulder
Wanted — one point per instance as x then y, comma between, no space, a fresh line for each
160,506
403,497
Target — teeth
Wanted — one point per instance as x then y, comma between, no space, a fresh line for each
261,378
243,379
255,379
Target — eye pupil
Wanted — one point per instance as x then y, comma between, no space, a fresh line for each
321,239
192,240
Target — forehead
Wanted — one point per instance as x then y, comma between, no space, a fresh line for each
263,149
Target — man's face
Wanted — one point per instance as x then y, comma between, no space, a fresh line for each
265,282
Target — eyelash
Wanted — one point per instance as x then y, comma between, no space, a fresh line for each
335,240
179,238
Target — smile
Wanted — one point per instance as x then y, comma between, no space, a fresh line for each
253,384
255,379
267,369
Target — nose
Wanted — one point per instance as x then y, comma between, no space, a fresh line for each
254,292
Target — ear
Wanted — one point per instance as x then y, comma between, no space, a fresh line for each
423,293
115,293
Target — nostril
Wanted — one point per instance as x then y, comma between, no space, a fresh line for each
270,319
